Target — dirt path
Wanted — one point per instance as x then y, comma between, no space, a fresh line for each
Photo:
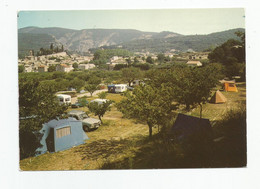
74,99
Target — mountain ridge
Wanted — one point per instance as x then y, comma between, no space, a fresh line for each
131,39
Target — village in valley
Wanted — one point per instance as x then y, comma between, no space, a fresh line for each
157,100
62,61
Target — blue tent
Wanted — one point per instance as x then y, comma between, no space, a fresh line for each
60,135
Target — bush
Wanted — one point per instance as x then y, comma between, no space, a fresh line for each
231,151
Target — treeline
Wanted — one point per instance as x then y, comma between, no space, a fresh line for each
51,50
77,80
231,55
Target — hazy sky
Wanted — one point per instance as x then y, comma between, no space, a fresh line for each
183,21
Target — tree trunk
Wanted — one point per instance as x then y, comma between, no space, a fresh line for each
200,110
187,107
150,129
100,119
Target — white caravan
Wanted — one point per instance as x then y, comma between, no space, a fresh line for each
64,99
119,88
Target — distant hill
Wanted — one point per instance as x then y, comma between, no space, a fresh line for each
130,39
83,40
181,43
33,41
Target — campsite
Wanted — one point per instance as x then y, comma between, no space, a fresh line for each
122,143
120,98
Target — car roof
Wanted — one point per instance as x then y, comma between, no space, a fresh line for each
99,100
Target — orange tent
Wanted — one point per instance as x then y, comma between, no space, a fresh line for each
229,85
217,98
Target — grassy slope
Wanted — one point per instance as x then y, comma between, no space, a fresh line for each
215,112
122,143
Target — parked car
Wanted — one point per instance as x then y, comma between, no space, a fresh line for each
80,103
99,101
88,123
76,105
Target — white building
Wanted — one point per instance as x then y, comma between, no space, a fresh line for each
28,68
64,68
59,54
114,58
86,66
42,68
194,63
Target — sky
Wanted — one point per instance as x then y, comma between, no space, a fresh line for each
183,21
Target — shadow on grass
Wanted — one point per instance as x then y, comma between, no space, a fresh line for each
229,150
161,153
105,148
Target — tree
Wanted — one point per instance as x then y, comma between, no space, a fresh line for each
56,50
230,49
235,69
167,59
192,86
102,95
161,57
149,60
130,74
92,84
62,48
119,66
99,109
77,84
242,37
51,46
91,88
82,101
136,60
148,104
75,65
37,105
128,60
83,76
52,68
231,54
242,49
58,75
21,69
142,66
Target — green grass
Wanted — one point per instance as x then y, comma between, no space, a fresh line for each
215,112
